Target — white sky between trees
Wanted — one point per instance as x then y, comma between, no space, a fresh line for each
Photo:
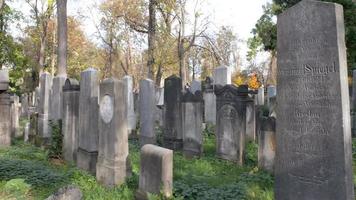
239,14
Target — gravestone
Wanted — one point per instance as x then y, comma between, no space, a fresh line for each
271,93
230,128
24,105
192,124
156,172
195,86
37,99
159,109
88,120
250,120
26,132
209,101
70,119
261,96
4,80
147,110
44,131
267,144
5,110
33,127
131,117
15,116
353,105
57,98
222,75
111,169
172,136
313,154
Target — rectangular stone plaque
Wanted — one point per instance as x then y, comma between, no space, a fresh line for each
313,155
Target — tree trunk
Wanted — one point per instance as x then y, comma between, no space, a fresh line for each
159,75
62,37
42,55
151,37
272,71
53,56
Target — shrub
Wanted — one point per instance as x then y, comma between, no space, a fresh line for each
55,148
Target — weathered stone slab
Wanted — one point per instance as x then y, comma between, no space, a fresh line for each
25,105
261,96
44,131
313,155
88,120
147,110
172,136
5,120
156,172
267,144
70,119
57,98
15,116
250,120
195,86
131,116
192,124
231,122
222,75
209,102
111,168
271,93
4,79
26,132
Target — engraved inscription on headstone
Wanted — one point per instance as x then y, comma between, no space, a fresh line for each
313,148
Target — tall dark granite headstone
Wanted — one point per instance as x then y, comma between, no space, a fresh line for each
231,122
172,136
313,154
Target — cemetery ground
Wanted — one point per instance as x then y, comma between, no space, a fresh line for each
26,172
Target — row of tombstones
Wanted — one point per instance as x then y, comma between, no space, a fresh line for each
10,111
183,118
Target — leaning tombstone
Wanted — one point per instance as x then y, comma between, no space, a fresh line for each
172,136
192,124
88,121
147,110
230,128
70,119
111,169
5,109
267,144
313,136
156,172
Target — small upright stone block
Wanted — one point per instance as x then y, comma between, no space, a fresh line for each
111,168
5,120
267,144
57,98
222,76
156,172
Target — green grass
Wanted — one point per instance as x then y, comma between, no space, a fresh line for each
26,173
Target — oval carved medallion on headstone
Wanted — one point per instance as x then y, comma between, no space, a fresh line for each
106,109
